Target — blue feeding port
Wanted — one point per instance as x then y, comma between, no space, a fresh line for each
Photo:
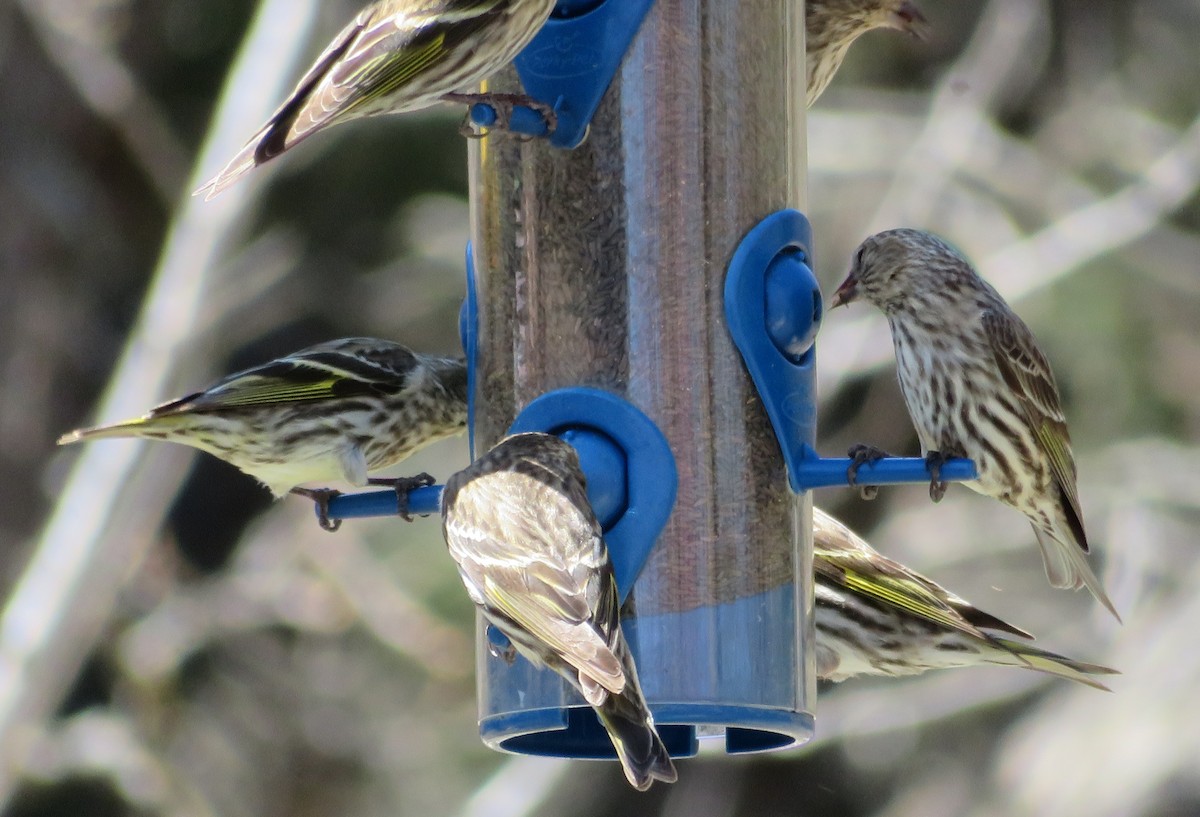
773,310
521,120
569,66
631,509
773,307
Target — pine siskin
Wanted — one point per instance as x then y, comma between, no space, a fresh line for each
832,26
874,616
530,552
977,386
397,56
335,411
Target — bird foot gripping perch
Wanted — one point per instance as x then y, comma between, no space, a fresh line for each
860,455
419,500
403,486
566,69
321,498
332,509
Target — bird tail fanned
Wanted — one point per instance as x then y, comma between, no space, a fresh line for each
629,724
1067,567
1053,663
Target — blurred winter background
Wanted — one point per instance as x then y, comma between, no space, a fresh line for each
173,643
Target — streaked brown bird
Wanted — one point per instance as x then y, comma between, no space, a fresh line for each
874,616
976,385
397,56
531,554
832,26
334,412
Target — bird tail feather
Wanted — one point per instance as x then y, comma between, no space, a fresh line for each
1053,663
238,166
136,427
629,724
1067,567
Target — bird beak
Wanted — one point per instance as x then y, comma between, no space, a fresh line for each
846,293
908,18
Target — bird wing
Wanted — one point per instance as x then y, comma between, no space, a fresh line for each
548,611
841,557
380,365
332,370
278,134
390,45
889,588
383,48
530,554
1027,373
1056,664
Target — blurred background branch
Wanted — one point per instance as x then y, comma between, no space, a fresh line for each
64,599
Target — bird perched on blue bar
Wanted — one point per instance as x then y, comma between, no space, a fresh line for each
976,385
398,56
337,411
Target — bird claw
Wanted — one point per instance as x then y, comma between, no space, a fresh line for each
861,454
466,128
403,485
934,460
321,497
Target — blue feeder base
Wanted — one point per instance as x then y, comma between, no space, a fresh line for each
575,732
734,670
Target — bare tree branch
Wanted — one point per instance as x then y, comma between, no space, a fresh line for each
115,497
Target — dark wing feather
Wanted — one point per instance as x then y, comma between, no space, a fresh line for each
277,136
355,367
386,54
1027,373
841,557
529,552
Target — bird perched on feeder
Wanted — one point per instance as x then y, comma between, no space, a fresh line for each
832,26
398,56
336,411
976,385
531,554
874,616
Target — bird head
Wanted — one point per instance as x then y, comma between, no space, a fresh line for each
878,270
892,268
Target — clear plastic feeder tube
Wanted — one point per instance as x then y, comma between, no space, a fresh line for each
604,266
